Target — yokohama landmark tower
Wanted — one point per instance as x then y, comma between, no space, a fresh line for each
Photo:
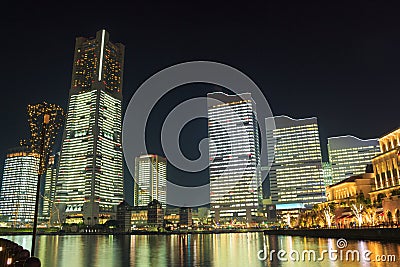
90,181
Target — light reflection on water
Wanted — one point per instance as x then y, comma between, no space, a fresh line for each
235,249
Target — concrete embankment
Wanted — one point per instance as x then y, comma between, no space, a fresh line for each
381,234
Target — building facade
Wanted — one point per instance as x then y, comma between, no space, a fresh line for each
50,180
185,217
124,213
349,155
327,173
155,213
151,180
296,179
235,186
18,191
351,187
387,173
386,164
90,181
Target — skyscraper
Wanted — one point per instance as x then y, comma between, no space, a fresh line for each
327,173
350,155
90,182
151,177
50,186
296,171
18,191
235,186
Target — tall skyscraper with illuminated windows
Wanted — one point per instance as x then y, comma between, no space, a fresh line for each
50,179
295,177
151,177
90,180
350,155
18,190
327,173
235,181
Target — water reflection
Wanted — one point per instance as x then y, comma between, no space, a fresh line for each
191,250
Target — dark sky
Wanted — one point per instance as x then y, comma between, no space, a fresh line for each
338,61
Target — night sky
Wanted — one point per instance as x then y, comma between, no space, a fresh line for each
338,62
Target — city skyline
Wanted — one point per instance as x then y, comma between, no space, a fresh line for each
113,81
287,108
346,61
200,134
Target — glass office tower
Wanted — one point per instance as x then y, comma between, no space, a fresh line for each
151,177
350,155
327,173
235,186
49,187
18,191
296,172
90,181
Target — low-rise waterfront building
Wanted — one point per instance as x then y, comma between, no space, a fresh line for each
387,176
343,197
155,213
386,164
124,214
350,188
185,217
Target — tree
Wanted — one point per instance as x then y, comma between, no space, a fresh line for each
357,211
328,216
360,198
332,206
371,214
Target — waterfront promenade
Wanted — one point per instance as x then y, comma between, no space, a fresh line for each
377,234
